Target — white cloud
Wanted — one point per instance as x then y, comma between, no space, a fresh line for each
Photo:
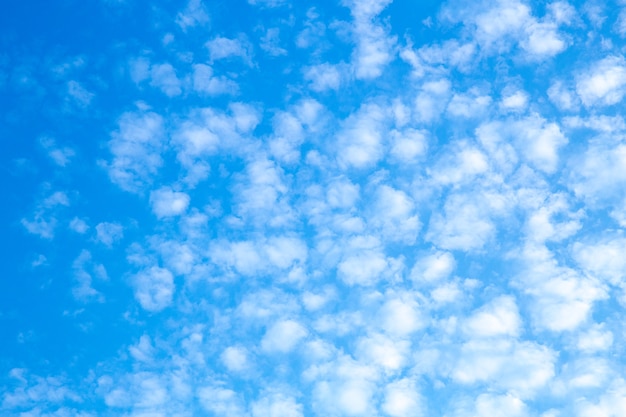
346,388
522,367
205,82
276,405
597,175
364,268
466,225
136,147
270,42
221,402
79,225
283,252
79,94
604,83
194,14
83,268
498,318
393,213
268,3
408,145
109,233
402,399
497,26
595,339
60,156
562,299
360,140
154,288
515,101
461,163
324,77
374,47
225,48
434,267
378,350
283,336
168,203
400,317
543,40
470,105
235,358
142,351
500,406
432,100
603,259
163,76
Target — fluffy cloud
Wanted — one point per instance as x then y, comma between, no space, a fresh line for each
167,202
154,288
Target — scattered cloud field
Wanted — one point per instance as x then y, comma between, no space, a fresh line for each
273,208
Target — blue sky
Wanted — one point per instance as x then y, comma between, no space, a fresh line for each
267,208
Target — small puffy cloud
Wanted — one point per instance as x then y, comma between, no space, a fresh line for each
79,225
562,299
595,339
60,155
597,175
109,233
522,367
603,259
403,399
378,350
283,252
507,405
270,42
205,82
193,15
44,221
364,268
283,336
84,269
168,203
393,213
604,83
324,77
79,94
563,96
224,48
221,401
498,318
360,140
374,46
142,351
154,288
235,358
543,40
462,163
136,147
515,101
433,267
347,388
498,26
268,3
465,224
540,142
163,76
432,100
276,405
400,317
469,105
408,145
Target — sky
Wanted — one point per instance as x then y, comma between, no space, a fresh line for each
279,208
